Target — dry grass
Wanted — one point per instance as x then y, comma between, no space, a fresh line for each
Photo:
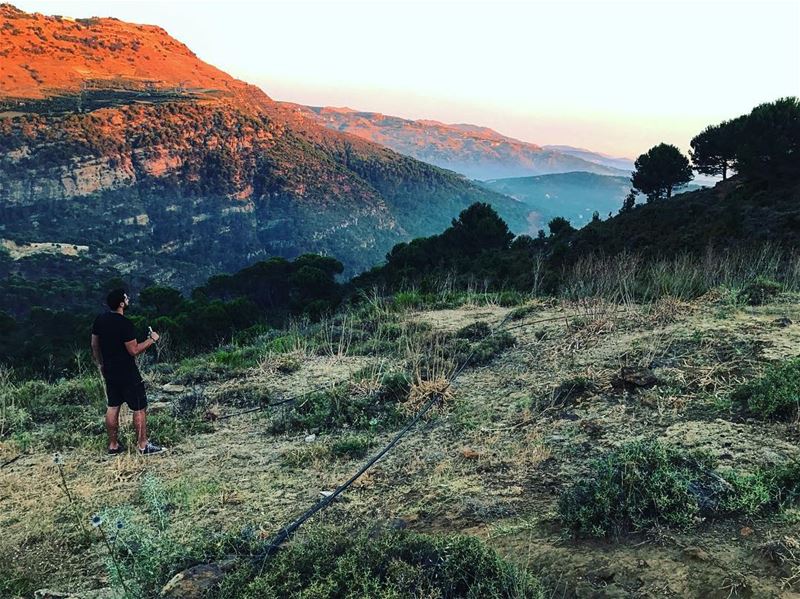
422,390
496,476
785,552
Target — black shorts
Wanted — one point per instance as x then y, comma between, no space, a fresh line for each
133,395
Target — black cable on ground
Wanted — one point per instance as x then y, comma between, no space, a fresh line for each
11,461
259,408
289,529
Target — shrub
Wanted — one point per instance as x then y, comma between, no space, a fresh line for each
764,490
760,291
644,483
774,396
522,312
406,300
330,563
565,393
638,486
351,446
476,345
336,408
490,347
508,299
395,386
474,332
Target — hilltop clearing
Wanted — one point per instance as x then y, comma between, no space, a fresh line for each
566,384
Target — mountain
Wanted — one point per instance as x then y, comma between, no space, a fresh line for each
622,164
116,139
575,196
476,152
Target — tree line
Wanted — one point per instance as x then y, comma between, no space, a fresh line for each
763,146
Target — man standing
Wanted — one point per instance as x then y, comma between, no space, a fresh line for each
114,347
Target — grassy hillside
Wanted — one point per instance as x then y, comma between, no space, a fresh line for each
731,214
523,456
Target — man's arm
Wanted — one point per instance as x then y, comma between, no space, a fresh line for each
135,348
97,356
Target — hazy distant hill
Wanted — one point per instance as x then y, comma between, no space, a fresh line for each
117,137
621,164
477,152
575,196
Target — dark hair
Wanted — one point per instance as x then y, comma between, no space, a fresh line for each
115,298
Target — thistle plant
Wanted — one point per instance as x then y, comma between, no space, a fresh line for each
97,522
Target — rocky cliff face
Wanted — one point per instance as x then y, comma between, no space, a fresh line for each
116,136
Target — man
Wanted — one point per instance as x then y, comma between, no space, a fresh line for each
114,347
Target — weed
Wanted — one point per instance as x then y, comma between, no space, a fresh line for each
645,484
523,312
351,446
329,562
474,331
336,408
774,396
759,291
564,394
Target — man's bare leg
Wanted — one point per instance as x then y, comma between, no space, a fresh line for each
112,426
140,425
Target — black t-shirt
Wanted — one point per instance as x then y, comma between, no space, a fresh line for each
119,367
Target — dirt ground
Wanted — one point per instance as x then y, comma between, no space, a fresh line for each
491,464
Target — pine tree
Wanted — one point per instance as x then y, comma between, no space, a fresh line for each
659,171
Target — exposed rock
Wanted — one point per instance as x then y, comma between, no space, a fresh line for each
193,583
310,438
158,406
696,553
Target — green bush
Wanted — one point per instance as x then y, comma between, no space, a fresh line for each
522,312
638,486
490,347
644,484
236,358
565,393
774,396
406,300
351,446
483,348
760,291
508,299
474,331
337,408
69,413
329,563
764,490
395,386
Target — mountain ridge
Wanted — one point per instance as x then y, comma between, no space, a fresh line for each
188,171
475,151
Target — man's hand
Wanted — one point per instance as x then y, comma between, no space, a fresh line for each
153,335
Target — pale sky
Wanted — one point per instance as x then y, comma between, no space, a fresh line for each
615,77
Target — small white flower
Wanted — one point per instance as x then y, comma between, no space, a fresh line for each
58,460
